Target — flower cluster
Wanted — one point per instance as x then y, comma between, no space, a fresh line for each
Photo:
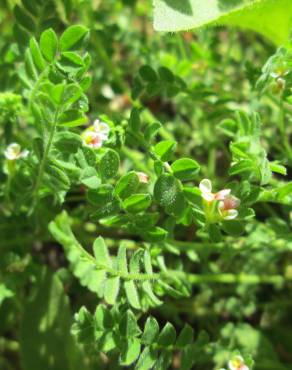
237,363
13,152
95,135
227,203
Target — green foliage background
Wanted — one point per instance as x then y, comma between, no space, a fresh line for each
99,270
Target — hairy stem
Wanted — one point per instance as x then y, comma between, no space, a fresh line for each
44,159
282,129
227,278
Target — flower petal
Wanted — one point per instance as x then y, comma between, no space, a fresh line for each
221,206
87,136
231,202
93,139
13,151
236,202
231,214
96,124
102,136
205,186
101,127
222,194
231,366
104,128
96,142
209,197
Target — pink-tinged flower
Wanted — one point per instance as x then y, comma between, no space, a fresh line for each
13,152
96,134
227,207
227,203
237,363
143,177
206,191
92,139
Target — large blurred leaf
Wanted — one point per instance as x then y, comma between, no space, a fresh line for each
272,18
46,342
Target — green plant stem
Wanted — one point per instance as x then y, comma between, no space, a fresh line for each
227,278
150,151
150,118
37,84
44,159
137,161
187,246
282,129
239,245
182,47
212,161
11,171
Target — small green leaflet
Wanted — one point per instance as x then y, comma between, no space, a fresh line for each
109,164
72,37
185,169
271,18
49,44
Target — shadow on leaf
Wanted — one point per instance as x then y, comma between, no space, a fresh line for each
182,6
229,4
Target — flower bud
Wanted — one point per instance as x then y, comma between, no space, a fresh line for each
143,177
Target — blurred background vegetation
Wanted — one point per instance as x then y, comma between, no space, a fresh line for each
214,72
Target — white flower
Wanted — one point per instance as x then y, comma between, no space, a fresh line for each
143,177
206,191
13,152
101,129
96,134
237,363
